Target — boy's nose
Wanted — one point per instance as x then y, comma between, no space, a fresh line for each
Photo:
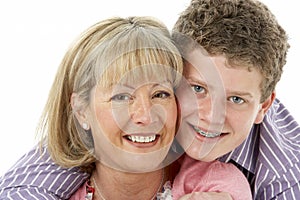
205,110
212,111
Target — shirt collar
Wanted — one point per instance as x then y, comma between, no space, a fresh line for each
244,153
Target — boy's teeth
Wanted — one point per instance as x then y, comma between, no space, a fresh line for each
141,139
206,134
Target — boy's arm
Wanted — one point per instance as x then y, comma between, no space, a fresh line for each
36,176
291,193
286,186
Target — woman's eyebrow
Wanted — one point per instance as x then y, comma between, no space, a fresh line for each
154,84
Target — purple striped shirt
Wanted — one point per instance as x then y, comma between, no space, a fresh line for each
269,158
35,176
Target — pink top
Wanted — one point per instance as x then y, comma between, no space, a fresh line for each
85,192
198,176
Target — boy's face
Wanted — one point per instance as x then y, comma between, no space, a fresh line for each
221,108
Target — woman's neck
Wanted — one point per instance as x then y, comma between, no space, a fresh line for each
112,184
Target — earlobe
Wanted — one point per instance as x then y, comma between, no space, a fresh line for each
85,126
264,107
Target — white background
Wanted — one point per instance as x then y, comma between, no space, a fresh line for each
34,36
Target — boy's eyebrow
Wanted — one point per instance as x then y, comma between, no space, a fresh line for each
210,86
240,93
199,81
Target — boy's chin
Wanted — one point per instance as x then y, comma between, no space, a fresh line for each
201,155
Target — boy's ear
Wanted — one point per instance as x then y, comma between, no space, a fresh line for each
264,108
77,108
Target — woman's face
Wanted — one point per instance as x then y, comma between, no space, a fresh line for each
133,123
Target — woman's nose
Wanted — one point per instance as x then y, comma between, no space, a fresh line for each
140,110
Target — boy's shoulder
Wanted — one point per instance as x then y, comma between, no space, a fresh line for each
279,148
279,139
270,156
275,143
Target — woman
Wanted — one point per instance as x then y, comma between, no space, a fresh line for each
112,110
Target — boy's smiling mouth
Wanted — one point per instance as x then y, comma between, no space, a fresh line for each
206,134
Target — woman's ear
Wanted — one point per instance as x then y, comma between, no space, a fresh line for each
264,107
79,111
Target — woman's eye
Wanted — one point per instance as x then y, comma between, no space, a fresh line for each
121,97
237,100
162,95
198,88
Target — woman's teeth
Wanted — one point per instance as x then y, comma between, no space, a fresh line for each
141,139
206,134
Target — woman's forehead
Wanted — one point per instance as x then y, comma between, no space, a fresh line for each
137,75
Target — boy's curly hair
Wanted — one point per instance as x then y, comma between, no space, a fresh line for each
244,31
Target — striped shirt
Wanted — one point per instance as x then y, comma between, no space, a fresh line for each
269,158
35,176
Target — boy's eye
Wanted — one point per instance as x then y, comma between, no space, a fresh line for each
236,100
121,97
162,95
198,88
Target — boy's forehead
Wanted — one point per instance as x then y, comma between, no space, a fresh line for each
216,73
207,65
202,66
199,57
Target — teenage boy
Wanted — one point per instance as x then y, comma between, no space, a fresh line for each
247,47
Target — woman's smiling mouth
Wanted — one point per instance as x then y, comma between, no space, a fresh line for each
141,139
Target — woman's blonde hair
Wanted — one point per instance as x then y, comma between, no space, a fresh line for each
101,55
